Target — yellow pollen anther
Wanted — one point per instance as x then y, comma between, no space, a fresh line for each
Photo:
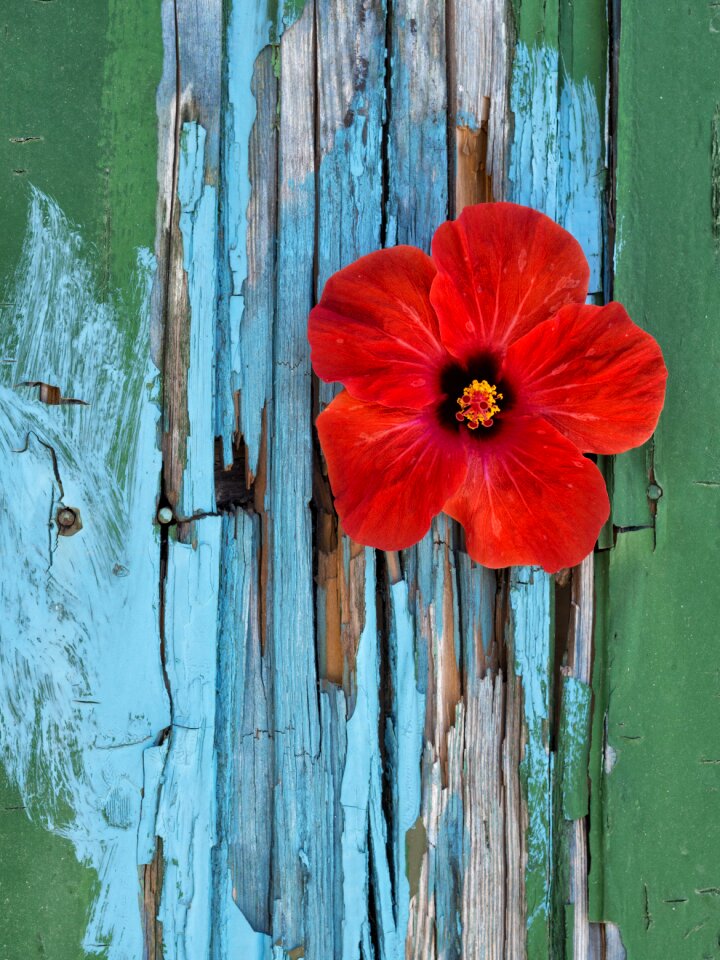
478,404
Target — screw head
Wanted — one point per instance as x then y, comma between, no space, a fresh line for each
68,520
165,515
654,491
66,517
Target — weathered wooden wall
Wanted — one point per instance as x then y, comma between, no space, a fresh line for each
227,731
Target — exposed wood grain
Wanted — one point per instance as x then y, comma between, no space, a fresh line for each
478,41
337,770
494,920
417,125
349,130
484,803
189,93
580,668
298,848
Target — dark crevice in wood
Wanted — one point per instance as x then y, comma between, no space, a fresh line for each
385,133
613,11
451,107
231,483
373,921
387,715
164,555
51,395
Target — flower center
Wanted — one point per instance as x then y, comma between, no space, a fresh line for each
478,404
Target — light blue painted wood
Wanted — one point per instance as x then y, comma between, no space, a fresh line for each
275,834
77,611
404,740
556,157
245,335
530,598
300,918
555,166
244,733
186,809
240,336
198,226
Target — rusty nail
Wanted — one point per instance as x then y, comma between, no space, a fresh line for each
66,517
69,521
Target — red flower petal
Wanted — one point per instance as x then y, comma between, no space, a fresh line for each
502,269
530,497
390,470
593,374
375,330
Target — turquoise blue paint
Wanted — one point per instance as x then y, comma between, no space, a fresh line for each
581,180
79,637
198,225
534,153
530,607
240,338
361,800
556,166
556,156
350,175
153,765
233,936
300,897
405,735
244,340
243,735
186,807
417,146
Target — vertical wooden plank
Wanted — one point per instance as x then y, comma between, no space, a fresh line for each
188,169
556,164
297,848
493,885
478,63
659,843
185,819
83,693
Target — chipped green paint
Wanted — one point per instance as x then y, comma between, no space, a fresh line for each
574,747
44,891
131,71
656,843
52,126
416,844
78,182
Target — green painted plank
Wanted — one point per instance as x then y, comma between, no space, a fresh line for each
659,830
44,891
574,747
82,688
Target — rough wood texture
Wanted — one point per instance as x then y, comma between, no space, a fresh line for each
654,858
479,61
300,747
188,168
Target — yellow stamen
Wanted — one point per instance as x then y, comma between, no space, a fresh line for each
478,404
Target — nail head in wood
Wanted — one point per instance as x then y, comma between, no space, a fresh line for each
68,521
165,515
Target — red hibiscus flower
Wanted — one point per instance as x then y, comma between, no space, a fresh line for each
475,381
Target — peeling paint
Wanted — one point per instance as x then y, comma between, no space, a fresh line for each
574,747
76,610
198,225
